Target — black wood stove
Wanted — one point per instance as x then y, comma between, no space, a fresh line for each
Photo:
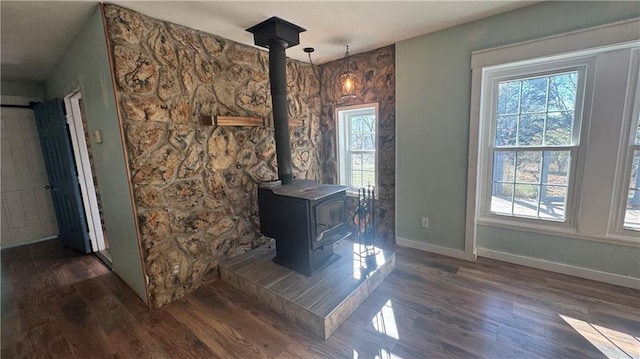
304,217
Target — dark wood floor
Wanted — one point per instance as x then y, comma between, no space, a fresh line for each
57,303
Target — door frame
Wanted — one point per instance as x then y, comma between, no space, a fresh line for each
83,165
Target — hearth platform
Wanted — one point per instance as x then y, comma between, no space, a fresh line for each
319,303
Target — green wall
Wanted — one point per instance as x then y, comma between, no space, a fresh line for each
23,89
86,65
432,132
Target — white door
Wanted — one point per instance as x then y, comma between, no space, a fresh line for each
27,209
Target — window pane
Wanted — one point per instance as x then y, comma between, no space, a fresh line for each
369,142
530,130
559,129
534,95
637,140
528,166
632,210
356,125
525,201
356,178
504,164
555,167
553,201
356,142
506,130
368,178
562,91
356,161
368,162
502,198
508,97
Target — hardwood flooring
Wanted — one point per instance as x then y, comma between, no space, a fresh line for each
60,304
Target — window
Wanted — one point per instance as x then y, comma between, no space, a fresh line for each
357,144
631,168
535,121
554,142
632,208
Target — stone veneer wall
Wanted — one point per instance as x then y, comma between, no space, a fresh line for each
375,71
194,185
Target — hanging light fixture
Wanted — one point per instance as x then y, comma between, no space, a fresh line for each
347,79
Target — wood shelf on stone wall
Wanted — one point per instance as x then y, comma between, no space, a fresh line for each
293,122
242,121
231,121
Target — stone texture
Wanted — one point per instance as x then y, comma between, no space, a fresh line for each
192,165
181,111
193,221
135,70
154,222
145,109
375,71
167,85
195,186
142,138
184,194
161,166
222,149
149,197
162,47
125,26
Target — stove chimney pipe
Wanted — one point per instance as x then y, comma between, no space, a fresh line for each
277,35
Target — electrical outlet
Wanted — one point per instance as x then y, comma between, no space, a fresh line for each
175,269
425,222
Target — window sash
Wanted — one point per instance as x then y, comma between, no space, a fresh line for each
542,184
344,115
491,82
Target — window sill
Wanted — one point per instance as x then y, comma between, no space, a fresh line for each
564,230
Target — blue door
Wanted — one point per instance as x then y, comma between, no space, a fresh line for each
63,176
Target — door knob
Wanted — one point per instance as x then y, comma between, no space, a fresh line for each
47,187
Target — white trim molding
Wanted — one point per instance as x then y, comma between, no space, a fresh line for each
599,276
432,248
568,42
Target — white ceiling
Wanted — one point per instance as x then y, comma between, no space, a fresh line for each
34,34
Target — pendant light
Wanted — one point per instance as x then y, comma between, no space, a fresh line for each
347,79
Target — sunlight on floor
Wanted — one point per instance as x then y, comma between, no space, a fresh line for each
359,264
382,354
612,343
385,321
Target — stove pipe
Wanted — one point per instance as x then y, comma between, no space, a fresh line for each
277,35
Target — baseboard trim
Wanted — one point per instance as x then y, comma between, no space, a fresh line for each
610,278
28,242
426,247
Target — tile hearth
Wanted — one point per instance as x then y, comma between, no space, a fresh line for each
319,303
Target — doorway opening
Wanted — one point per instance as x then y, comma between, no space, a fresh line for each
83,156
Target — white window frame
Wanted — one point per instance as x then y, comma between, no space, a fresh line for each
625,154
621,35
491,76
342,136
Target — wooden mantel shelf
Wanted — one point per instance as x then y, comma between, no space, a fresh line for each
216,120
232,121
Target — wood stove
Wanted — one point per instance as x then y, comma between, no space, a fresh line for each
306,219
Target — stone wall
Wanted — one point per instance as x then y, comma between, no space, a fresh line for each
195,185
375,71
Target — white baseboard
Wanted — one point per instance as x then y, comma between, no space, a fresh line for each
611,278
27,242
449,252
